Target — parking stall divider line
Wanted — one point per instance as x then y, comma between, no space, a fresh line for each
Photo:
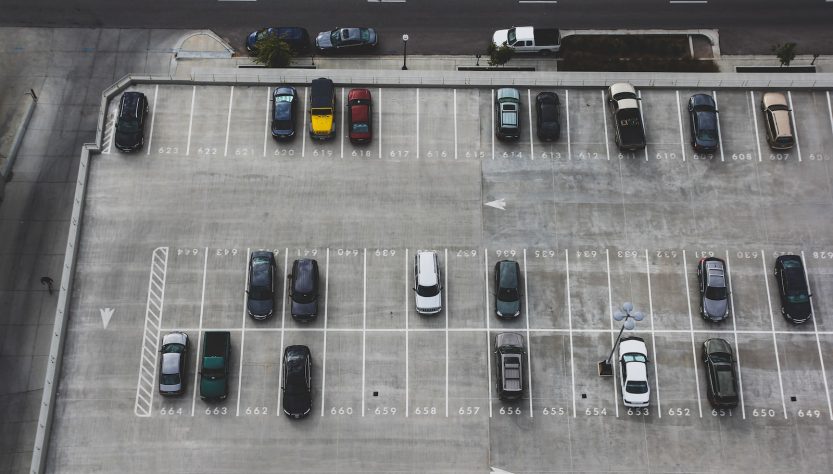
364,326
191,119
228,122
774,339
379,138
266,126
644,128
567,110
307,118
324,350
735,333
528,339
153,117
612,337
243,330
446,328
795,126
343,131
407,369
488,328
604,121
653,336
818,342
680,122
719,133
829,111
152,353
570,321
492,133
282,330
755,123
529,113
691,326
199,334
455,124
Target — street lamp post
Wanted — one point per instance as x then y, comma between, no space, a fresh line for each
404,52
624,314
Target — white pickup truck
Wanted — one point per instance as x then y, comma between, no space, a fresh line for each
528,39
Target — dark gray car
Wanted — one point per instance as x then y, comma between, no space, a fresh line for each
351,39
174,361
507,289
303,289
721,378
260,301
509,365
714,292
284,112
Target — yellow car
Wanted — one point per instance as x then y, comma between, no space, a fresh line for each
322,110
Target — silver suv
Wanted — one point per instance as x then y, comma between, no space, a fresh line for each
427,285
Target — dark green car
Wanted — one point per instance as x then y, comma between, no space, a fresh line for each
507,289
721,378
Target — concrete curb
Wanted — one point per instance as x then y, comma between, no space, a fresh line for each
8,166
712,35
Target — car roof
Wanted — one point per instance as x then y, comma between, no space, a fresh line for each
628,104
303,275
360,112
170,363
261,274
508,93
637,370
508,273
427,273
621,87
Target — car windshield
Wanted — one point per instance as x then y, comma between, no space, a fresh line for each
361,127
335,38
173,347
716,293
428,291
633,357
511,37
720,357
169,379
508,294
129,126
707,134
634,386
283,98
801,298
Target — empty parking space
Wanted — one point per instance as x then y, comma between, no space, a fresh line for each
762,384
437,125
678,376
172,120
427,368
802,375
346,300
260,362
469,390
590,304
398,121
209,121
386,289
247,130
595,396
552,375
467,278
661,110
225,281
675,281
589,125
545,288
383,384
341,369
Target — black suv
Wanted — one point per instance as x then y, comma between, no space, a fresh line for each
792,286
509,365
702,113
507,289
714,292
297,381
547,107
260,301
303,289
722,380
130,126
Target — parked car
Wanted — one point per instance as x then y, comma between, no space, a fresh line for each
284,112
322,124
633,363
714,292
507,289
174,364
346,39
216,361
779,128
793,289
297,381
509,364
722,380
548,114
702,113
360,116
527,39
508,114
303,289
260,294
427,285
629,131
296,37
130,123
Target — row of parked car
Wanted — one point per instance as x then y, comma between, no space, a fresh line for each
298,39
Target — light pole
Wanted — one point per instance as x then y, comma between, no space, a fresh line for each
606,366
404,52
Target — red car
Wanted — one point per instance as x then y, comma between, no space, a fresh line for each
360,116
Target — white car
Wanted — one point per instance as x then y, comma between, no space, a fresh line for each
427,285
633,363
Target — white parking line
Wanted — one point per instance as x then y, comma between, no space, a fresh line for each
644,128
407,297
691,325
570,320
653,336
755,122
417,122
829,109
228,122
612,336
153,116
774,339
680,121
492,133
266,126
795,126
604,121
735,334
818,342
191,119
455,124
307,118
488,329
343,131
529,113
324,351
445,292
379,135
567,114
364,325
528,339
719,135
282,330
243,332
199,335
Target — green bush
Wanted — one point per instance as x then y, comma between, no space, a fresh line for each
272,51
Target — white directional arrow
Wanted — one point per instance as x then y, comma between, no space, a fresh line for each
106,314
498,471
498,204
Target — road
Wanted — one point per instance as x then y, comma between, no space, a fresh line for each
456,27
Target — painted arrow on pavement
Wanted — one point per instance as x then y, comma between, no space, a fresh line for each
106,314
497,204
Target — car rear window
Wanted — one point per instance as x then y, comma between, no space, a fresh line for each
361,128
637,386
633,357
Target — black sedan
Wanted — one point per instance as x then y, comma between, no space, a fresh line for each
721,378
346,39
297,381
284,112
547,108
507,289
793,289
296,37
260,301
702,113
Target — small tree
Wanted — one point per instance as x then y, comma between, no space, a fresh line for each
272,51
499,55
785,52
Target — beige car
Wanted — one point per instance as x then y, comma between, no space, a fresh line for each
779,129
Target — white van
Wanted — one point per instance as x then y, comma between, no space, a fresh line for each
427,285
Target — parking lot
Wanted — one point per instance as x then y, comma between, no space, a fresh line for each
168,232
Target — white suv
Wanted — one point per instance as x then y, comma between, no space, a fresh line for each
427,286
633,362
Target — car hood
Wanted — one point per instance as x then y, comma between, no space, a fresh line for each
304,309
798,311
500,37
297,403
372,37
715,309
211,388
127,139
429,302
323,40
260,307
508,309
